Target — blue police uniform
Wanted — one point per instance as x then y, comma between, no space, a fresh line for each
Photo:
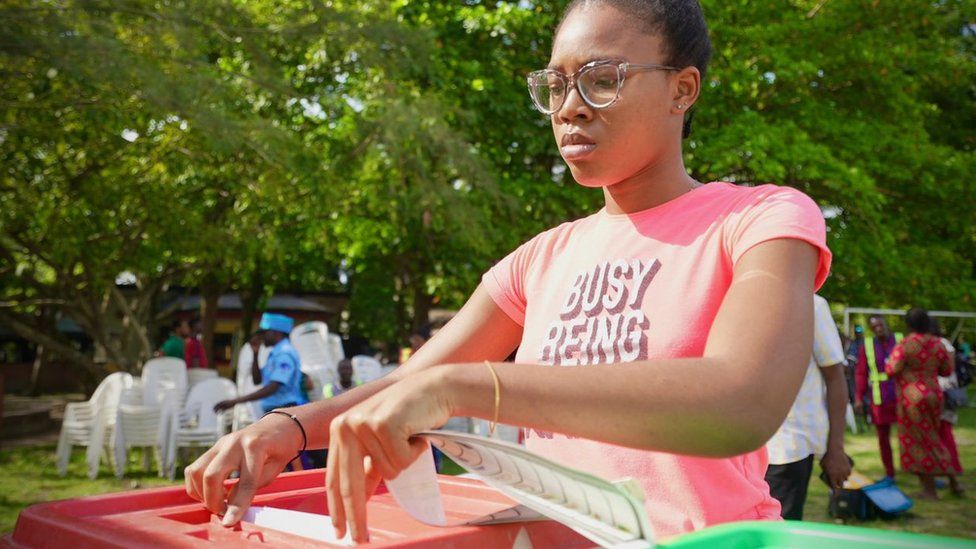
284,367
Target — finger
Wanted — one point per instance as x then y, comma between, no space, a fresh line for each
352,489
417,446
373,477
336,512
220,468
253,465
193,473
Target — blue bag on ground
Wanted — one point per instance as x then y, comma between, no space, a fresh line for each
888,499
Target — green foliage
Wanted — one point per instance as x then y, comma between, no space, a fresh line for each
867,107
258,145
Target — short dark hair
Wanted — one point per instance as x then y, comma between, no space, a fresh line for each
918,320
680,23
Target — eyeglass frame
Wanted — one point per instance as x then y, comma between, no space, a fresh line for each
571,80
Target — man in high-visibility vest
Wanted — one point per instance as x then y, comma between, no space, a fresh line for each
871,381
344,383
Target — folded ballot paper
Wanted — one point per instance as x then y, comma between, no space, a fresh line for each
609,514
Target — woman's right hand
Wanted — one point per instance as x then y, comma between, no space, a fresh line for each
259,452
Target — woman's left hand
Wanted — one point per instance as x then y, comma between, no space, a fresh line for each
380,428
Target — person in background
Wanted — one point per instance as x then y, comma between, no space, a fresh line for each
416,340
815,424
193,352
949,417
251,358
343,384
281,376
915,364
854,347
173,346
870,374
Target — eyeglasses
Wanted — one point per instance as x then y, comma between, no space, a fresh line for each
598,83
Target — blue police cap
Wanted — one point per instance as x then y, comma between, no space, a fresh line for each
276,322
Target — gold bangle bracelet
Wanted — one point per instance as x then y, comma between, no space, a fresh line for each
498,397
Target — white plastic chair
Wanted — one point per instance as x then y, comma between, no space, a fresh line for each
335,347
198,424
196,375
157,370
315,346
139,424
365,369
91,423
319,352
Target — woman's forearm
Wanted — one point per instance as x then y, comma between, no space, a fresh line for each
701,406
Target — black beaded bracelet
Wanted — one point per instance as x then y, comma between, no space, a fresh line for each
299,423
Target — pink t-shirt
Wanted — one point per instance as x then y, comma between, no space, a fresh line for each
621,288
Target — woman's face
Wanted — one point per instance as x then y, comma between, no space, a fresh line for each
606,146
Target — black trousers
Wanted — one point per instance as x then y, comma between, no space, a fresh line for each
788,484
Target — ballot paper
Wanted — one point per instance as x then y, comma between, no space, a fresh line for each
609,514
308,525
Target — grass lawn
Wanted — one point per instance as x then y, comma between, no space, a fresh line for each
28,476
950,516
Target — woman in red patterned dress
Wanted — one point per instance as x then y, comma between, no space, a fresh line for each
915,363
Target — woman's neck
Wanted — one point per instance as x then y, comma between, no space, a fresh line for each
652,186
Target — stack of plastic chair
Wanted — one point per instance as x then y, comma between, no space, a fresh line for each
196,375
320,353
91,423
139,424
197,424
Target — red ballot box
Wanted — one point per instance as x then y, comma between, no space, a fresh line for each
169,517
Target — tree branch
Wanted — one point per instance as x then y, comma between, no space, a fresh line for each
51,343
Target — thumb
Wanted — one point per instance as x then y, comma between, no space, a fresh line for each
417,446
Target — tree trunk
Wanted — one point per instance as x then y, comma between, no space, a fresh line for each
210,292
40,359
422,303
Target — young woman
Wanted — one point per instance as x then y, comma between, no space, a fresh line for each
662,338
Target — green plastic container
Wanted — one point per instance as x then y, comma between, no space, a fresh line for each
807,535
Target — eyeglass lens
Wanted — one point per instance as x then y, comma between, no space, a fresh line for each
598,85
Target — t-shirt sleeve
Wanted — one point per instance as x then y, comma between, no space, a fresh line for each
505,282
827,348
282,369
783,212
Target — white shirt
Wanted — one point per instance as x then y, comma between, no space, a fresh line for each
245,382
805,430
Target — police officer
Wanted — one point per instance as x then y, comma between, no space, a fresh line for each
281,375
